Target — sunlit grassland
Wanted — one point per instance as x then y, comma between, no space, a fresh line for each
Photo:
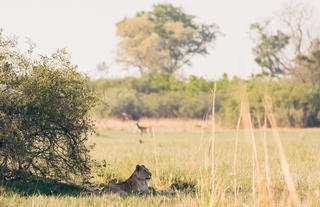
177,156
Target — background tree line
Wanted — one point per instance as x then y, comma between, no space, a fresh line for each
160,95
162,41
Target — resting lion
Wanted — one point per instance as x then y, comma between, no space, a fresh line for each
137,182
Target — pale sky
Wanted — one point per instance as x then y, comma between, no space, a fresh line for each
87,29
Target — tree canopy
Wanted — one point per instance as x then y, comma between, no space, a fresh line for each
268,50
162,40
308,67
279,52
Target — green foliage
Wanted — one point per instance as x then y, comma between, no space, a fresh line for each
268,50
299,105
43,118
162,40
163,13
228,100
156,95
293,105
307,68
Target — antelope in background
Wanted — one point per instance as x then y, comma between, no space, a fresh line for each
144,129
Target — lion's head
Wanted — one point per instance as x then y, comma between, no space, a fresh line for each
142,173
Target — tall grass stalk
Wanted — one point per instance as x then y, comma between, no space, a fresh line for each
293,196
235,175
266,162
206,194
256,167
204,123
256,173
213,130
213,134
155,155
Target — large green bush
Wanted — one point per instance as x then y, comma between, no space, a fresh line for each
43,116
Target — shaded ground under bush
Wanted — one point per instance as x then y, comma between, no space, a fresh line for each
33,186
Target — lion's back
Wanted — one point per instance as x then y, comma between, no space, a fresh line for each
117,188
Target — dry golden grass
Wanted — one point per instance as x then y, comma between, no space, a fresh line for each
293,196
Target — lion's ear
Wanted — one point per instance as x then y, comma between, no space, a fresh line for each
138,167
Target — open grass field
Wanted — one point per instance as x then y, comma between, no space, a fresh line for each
178,157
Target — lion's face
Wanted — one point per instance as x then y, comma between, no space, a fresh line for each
143,173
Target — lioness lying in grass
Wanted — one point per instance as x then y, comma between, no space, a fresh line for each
137,182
